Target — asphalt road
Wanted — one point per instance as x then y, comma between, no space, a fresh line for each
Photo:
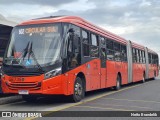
134,97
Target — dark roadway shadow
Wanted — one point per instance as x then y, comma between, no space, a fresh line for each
54,99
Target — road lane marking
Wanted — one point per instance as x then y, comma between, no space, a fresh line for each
131,100
122,105
116,109
88,100
94,98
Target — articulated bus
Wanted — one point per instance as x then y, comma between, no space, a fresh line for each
66,55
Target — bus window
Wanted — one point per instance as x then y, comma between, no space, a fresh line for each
134,55
143,56
103,42
137,54
94,40
94,50
152,58
74,58
140,56
157,60
123,53
117,51
110,44
110,50
85,37
85,43
149,58
103,57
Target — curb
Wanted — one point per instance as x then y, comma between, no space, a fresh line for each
10,99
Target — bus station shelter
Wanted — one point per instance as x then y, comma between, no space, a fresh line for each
5,31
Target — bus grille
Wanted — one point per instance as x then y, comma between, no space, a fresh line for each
24,85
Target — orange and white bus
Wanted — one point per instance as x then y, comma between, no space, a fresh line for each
66,55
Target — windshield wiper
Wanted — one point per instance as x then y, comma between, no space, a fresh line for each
31,53
25,51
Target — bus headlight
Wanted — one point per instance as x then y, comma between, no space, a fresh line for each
53,73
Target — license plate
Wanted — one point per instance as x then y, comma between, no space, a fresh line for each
23,92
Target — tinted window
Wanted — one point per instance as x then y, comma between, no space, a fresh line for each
94,40
103,57
77,45
123,53
117,51
137,53
116,46
110,50
85,41
134,55
85,37
143,57
149,58
103,41
85,50
140,56
110,44
94,49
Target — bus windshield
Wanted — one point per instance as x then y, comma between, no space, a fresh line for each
33,45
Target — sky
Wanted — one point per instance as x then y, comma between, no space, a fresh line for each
135,20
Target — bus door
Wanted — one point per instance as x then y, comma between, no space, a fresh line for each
103,63
95,64
103,67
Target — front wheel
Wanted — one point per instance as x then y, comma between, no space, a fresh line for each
79,91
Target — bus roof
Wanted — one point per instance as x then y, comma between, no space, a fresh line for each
135,45
151,51
84,24
77,21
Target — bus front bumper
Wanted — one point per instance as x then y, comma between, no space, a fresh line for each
57,85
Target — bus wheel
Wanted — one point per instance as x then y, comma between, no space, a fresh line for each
118,83
29,98
78,91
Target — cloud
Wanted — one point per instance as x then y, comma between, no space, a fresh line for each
36,2
136,20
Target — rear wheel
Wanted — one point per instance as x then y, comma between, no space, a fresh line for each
29,98
79,91
118,83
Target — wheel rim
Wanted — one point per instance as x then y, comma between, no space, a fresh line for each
78,89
